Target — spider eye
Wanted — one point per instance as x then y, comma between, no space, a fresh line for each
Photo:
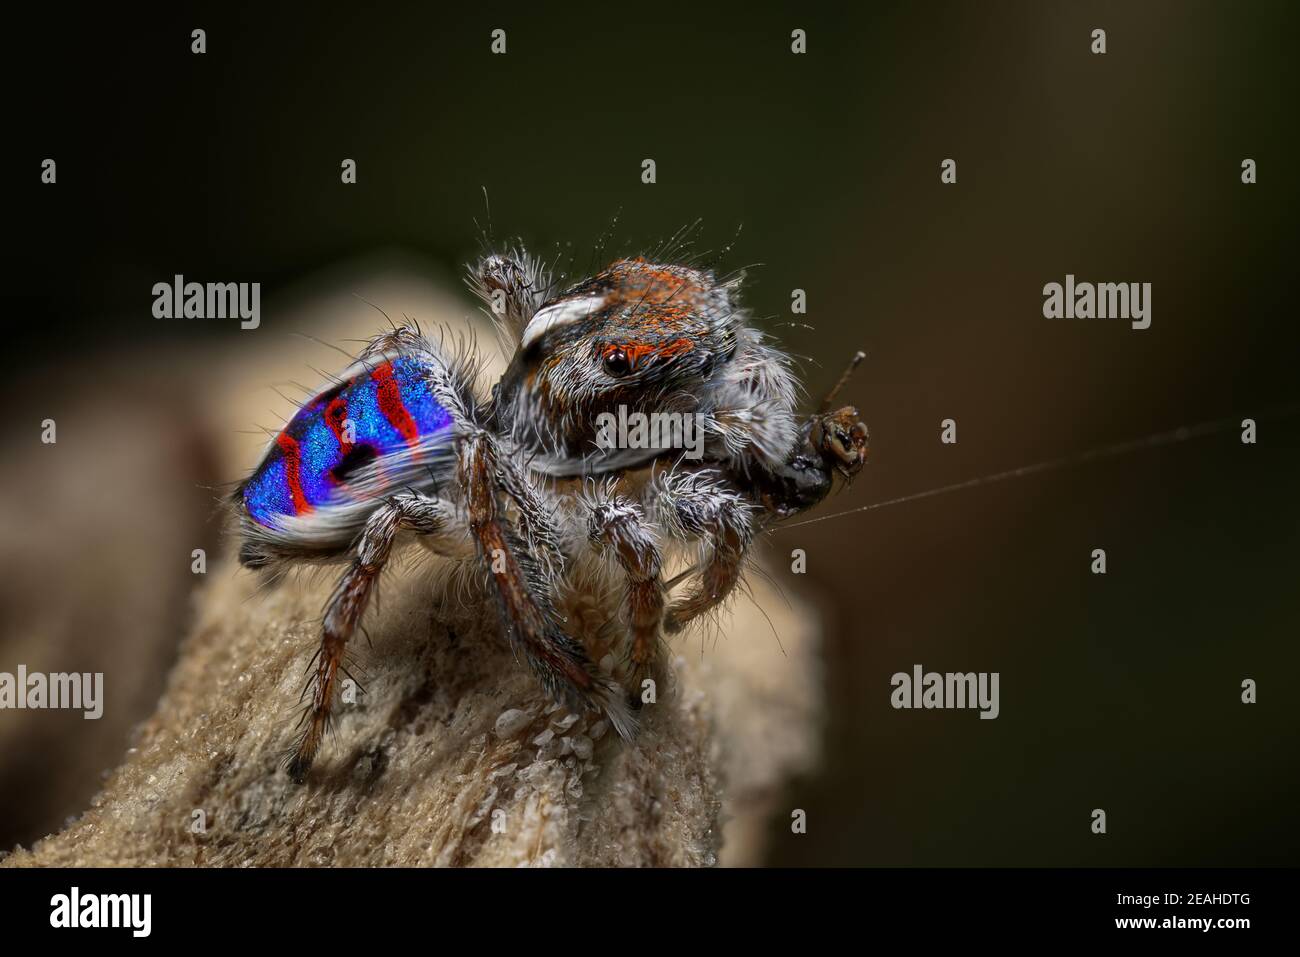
617,363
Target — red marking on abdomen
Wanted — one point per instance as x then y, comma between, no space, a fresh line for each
293,471
389,392
336,413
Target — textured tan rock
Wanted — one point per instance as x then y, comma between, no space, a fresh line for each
452,756
451,731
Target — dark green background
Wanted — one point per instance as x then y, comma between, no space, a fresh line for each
1119,692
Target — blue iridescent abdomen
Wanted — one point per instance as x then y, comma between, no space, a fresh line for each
382,411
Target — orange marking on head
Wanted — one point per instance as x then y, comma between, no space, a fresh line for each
635,351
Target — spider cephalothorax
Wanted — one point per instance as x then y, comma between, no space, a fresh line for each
528,483
643,338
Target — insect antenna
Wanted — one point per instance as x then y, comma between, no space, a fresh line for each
830,396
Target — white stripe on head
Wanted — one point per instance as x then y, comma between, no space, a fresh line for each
560,314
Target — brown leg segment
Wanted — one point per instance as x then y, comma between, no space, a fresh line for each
560,662
701,506
348,603
618,525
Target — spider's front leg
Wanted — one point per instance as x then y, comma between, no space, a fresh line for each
523,591
618,526
348,602
699,504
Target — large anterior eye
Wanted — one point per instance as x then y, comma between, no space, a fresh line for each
617,363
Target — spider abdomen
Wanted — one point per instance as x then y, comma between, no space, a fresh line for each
356,439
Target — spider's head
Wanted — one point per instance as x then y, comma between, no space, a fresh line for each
641,335
632,328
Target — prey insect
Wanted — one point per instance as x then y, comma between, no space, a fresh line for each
402,448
